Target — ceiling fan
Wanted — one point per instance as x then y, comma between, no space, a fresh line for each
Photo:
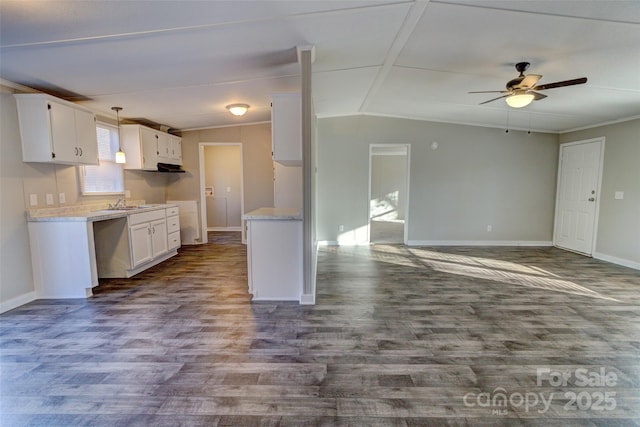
521,90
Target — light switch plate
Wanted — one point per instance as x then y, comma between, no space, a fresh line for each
33,199
62,198
619,195
127,194
49,198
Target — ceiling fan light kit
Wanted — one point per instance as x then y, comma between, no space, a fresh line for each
520,91
519,100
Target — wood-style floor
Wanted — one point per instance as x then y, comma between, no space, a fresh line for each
399,336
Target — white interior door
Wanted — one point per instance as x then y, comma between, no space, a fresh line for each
577,198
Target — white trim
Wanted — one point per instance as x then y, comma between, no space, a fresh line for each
328,243
610,122
203,197
545,243
307,299
17,86
233,125
237,228
615,260
17,301
407,179
596,217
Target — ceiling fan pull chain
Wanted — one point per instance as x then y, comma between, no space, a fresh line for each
507,130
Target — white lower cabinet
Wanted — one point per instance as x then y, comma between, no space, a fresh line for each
63,259
68,255
140,236
143,241
173,228
148,236
274,257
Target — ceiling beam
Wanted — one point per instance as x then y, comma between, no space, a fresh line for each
409,24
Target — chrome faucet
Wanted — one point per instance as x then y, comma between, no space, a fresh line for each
121,203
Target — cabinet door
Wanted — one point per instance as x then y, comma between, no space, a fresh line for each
87,140
176,149
286,129
159,241
63,132
164,147
150,143
140,236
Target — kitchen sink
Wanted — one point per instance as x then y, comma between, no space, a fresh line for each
123,208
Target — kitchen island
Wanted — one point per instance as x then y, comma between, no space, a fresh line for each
274,254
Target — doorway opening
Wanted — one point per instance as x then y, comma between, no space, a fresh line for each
222,188
388,193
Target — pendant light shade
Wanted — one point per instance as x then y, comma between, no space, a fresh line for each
120,156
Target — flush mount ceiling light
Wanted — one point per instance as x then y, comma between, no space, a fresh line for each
238,109
519,99
120,156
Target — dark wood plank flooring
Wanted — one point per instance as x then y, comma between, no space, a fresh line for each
399,336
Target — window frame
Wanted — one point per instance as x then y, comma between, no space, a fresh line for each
82,171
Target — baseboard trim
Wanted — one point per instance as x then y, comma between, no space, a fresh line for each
615,260
307,299
17,301
479,243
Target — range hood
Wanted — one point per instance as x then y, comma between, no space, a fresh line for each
166,167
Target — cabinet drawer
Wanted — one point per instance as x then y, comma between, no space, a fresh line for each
174,240
138,218
173,224
172,211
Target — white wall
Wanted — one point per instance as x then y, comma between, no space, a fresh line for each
618,234
475,178
16,279
257,163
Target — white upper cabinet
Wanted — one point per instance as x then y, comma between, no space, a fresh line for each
56,131
146,147
286,128
176,149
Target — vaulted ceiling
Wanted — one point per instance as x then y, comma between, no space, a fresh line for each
179,63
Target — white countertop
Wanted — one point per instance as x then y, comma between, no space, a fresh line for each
274,214
97,215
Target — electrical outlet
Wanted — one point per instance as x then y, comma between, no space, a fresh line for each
619,195
33,199
127,194
228,189
489,228
62,198
341,228
49,198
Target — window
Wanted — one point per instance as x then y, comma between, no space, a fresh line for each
106,178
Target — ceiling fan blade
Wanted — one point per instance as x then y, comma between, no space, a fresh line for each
529,81
572,82
494,99
537,96
489,91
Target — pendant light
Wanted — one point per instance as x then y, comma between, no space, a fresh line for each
120,156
